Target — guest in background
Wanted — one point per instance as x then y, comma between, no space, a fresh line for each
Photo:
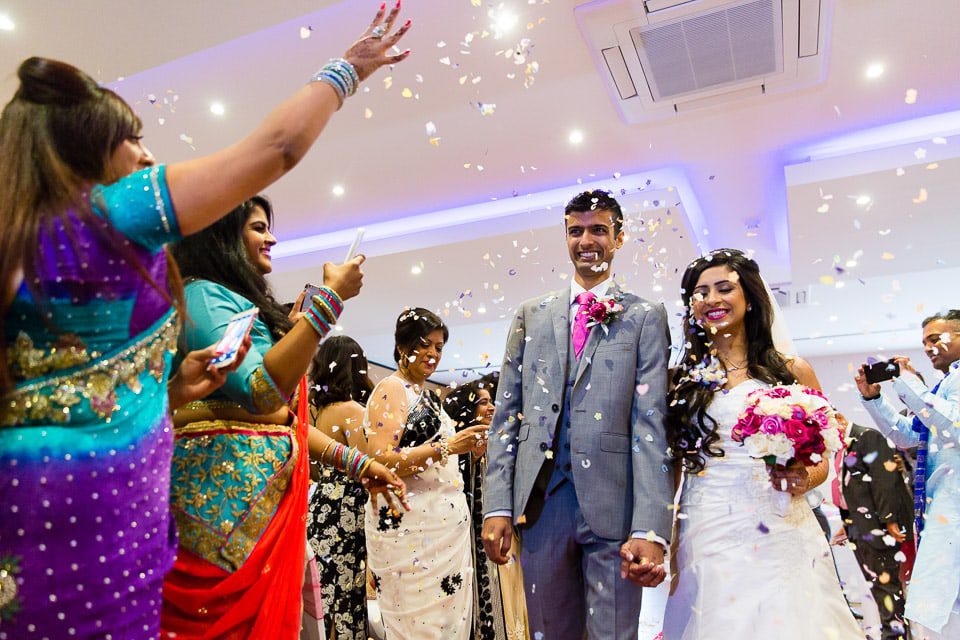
933,596
877,513
499,604
421,561
339,390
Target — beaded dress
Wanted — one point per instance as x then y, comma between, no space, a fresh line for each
85,437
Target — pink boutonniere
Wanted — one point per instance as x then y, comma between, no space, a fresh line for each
605,310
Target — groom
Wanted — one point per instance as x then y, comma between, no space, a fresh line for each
577,449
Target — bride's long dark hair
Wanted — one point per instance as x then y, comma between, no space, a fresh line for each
691,431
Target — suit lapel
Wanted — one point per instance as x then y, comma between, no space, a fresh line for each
560,312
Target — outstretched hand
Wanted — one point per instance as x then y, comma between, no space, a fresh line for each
369,53
197,378
641,562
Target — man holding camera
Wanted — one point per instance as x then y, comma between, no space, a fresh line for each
933,602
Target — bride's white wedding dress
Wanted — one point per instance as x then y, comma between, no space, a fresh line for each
752,561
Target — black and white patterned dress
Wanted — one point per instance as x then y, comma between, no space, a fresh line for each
335,533
421,560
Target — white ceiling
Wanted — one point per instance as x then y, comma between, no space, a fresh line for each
730,160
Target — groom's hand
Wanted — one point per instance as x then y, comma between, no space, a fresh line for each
641,562
497,537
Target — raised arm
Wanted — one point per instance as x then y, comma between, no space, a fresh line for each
205,189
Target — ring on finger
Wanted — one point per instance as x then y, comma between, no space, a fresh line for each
379,31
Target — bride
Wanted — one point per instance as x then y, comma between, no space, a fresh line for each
751,560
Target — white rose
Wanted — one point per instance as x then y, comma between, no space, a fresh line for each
757,445
781,447
831,438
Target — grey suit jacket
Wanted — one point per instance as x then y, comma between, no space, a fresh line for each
621,472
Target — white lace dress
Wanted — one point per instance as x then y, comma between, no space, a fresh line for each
421,560
752,561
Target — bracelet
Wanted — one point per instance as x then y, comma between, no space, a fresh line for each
341,76
331,299
323,454
316,322
444,451
866,399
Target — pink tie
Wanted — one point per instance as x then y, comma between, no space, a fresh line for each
580,330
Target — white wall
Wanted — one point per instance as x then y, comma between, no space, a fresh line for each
836,377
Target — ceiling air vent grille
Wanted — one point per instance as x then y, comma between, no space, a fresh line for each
665,58
710,50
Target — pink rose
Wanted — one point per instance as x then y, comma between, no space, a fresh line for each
778,392
771,425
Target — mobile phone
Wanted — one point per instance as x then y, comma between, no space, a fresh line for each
881,371
233,336
309,291
352,252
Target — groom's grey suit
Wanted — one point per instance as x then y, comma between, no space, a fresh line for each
577,455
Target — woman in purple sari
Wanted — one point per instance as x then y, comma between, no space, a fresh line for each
89,322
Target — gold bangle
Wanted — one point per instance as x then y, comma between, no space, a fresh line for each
323,454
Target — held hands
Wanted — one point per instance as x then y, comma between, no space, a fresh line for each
470,440
369,53
379,480
792,479
196,378
641,562
497,538
346,279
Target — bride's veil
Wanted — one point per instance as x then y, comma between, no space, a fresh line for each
782,340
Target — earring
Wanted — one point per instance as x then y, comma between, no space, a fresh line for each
749,307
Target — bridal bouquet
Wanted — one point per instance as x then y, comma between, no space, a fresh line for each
789,422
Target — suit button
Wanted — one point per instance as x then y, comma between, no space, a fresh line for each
556,408
543,446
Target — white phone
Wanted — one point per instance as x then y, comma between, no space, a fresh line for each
355,246
233,336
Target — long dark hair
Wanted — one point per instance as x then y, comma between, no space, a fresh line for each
57,136
218,254
692,432
339,373
463,403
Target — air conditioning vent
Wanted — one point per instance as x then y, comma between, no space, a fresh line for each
710,50
666,56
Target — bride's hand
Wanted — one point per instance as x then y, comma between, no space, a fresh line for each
792,479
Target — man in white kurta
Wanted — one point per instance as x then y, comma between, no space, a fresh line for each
933,597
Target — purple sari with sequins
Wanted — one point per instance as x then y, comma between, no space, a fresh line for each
85,437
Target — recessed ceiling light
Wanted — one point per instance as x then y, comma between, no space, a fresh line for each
338,190
6,24
503,20
863,200
576,136
217,108
416,270
875,70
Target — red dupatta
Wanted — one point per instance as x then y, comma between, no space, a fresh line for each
262,599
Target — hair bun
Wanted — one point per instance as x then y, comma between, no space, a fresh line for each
46,81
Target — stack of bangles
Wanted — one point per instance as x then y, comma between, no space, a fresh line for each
341,75
347,459
323,313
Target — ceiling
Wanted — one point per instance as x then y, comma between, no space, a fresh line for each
745,174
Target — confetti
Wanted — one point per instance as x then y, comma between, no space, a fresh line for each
911,96
305,32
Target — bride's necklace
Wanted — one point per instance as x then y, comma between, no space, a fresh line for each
736,367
